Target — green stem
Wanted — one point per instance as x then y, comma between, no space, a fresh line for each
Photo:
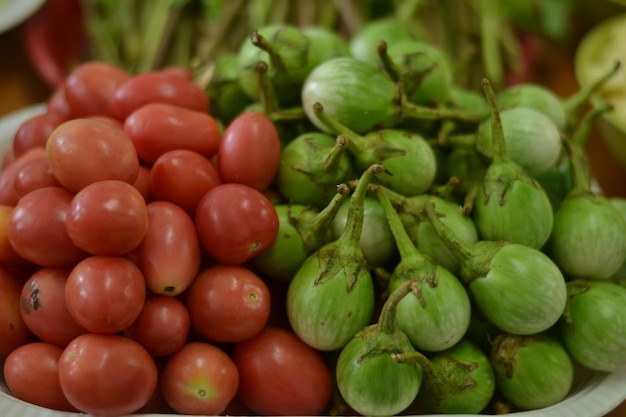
415,357
354,220
457,245
582,132
499,151
581,181
387,320
274,53
405,246
267,94
353,139
576,102
388,66
312,230
334,157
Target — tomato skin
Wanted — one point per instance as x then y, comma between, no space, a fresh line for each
44,310
35,131
90,86
13,330
158,87
57,103
281,375
32,375
235,223
107,374
105,294
84,151
162,326
143,185
36,228
160,127
107,218
169,255
249,152
199,379
228,303
33,175
183,177
8,195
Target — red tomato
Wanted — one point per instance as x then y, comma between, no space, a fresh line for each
162,326
108,119
57,103
228,303
169,255
31,373
83,151
13,329
235,223
90,87
183,177
249,152
158,87
199,379
35,131
159,127
177,71
143,183
33,175
107,374
105,294
44,309
107,218
37,231
8,256
281,375
8,195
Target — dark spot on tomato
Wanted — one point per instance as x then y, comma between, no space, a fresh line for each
34,299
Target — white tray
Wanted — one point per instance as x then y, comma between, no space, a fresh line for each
594,394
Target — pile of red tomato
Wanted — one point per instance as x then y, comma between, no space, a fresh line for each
127,217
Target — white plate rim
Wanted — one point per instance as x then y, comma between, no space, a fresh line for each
15,12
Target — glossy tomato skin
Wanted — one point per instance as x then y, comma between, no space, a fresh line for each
44,310
281,375
107,374
107,218
183,177
35,131
8,195
90,87
84,151
158,87
33,175
37,231
31,373
199,379
228,303
105,294
159,127
162,326
13,330
249,152
169,255
236,222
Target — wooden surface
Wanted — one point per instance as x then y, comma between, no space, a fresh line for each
20,87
